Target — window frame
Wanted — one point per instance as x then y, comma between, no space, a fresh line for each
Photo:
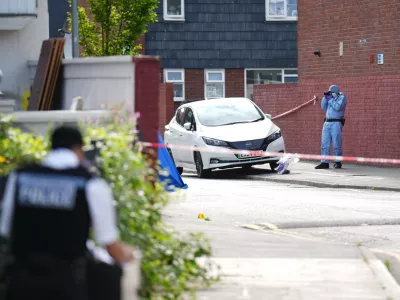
166,80
269,17
168,17
206,81
271,69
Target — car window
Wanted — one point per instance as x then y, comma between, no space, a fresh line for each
180,116
229,113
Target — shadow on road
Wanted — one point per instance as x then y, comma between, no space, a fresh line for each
236,173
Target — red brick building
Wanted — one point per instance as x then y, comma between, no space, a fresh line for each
350,36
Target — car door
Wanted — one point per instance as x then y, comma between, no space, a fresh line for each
175,134
188,136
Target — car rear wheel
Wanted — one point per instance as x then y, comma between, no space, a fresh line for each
201,173
180,169
273,165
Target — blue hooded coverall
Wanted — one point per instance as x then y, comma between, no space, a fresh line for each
332,131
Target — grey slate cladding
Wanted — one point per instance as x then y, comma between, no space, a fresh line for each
223,34
57,16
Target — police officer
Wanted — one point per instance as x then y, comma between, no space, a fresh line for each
334,102
48,210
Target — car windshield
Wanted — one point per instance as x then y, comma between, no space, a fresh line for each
229,114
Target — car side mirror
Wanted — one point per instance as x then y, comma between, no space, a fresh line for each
187,126
166,127
268,116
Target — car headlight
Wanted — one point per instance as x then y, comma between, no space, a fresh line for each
276,135
213,142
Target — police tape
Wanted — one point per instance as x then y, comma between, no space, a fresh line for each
258,154
296,108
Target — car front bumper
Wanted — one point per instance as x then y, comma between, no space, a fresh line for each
219,160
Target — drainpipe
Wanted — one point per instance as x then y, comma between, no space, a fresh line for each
75,29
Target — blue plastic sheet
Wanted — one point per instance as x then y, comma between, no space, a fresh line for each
168,174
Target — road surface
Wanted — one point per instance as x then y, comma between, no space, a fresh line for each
297,228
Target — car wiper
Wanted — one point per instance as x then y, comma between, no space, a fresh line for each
233,123
257,120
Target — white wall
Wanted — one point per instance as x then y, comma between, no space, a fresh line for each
100,81
17,47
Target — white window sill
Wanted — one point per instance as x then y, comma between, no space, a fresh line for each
269,19
178,99
174,19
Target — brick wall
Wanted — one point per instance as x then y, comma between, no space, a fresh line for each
372,128
147,94
142,41
234,82
194,83
83,3
166,105
366,27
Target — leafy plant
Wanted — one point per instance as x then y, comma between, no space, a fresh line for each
113,27
171,265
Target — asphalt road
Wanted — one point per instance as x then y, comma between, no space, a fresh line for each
295,223
296,208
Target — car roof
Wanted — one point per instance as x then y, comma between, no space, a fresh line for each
211,102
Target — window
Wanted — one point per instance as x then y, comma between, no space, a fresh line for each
268,76
174,10
214,84
177,77
281,10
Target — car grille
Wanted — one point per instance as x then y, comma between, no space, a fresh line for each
260,144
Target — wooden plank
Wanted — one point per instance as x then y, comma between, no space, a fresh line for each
45,94
57,67
49,78
39,76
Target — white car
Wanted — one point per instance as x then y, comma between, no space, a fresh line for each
199,130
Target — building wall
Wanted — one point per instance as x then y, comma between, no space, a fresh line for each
57,16
17,48
234,85
223,34
372,128
365,29
166,108
194,84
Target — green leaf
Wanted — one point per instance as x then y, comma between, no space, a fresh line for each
169,265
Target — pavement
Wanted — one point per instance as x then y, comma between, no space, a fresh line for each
258,265
350,176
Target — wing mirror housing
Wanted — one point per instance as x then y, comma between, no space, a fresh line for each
166,127
268,116
187,126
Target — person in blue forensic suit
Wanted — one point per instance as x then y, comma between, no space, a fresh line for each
334,102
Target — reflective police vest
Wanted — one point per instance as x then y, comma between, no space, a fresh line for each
51,214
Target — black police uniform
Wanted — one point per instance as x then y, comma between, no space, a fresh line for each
49,232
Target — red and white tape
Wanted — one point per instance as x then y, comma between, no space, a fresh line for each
296,108
260,153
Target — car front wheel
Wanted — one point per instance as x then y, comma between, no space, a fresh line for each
180,169
201,173
273,165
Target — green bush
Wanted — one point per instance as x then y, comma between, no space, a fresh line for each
170,266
